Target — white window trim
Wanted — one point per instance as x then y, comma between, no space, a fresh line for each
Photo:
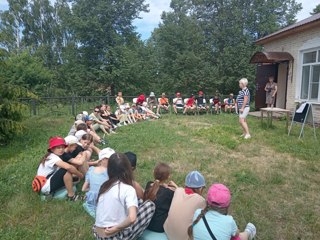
299,74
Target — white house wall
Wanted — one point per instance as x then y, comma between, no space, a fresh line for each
294,44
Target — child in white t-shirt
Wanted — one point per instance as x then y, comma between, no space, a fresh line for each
118,215
57,172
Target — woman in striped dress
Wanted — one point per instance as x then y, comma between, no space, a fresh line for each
243,101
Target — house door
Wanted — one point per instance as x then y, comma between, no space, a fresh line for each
263,73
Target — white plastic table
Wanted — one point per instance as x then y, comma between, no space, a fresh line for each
270,111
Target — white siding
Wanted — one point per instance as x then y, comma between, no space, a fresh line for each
294,44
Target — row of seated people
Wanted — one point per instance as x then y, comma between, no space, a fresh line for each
122,209
104,119
194,104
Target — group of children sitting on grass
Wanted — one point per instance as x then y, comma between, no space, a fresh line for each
191,104
122,209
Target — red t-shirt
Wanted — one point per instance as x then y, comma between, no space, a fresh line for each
188,191
190,102
216,101
141,99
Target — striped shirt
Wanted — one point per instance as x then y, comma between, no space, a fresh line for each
244,92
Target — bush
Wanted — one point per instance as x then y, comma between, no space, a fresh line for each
11,110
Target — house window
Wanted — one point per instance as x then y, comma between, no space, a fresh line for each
310,84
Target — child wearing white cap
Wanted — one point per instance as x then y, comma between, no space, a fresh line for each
72,143
95,177
184,203
78,161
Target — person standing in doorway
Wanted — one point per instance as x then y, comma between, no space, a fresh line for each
271,91
243,101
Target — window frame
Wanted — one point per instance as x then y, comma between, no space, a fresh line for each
310,83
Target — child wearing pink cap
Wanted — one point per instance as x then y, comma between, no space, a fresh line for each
213,222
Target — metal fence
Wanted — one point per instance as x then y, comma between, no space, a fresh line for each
70,105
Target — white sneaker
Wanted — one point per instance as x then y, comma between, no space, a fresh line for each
242,135
247,136
251,229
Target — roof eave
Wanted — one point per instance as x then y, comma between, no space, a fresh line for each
289,32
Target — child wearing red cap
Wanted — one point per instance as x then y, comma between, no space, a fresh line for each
57,172
141,99
201,102
213,222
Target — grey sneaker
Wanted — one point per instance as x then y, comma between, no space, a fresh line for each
251,229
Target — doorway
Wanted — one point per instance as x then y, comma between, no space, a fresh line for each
264,71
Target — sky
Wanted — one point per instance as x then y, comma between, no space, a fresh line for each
149,21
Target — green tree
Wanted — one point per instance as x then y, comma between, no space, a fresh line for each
181,57
38,33
100,25
316,10
11,109
11,25
82,47
29,72
207,44
105,41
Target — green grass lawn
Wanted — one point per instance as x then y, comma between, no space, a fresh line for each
274,178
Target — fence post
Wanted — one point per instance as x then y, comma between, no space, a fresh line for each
34,106
73,110
108,95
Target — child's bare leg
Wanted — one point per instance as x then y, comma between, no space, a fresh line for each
95,136
68,183
175,109
249,233
84,168
103,129
244,236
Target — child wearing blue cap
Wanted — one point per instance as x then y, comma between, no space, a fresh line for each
184,203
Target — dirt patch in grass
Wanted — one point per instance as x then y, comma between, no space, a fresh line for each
198,124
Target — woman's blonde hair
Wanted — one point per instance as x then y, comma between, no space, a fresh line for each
244,81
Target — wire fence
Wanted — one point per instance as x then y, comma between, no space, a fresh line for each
70,105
